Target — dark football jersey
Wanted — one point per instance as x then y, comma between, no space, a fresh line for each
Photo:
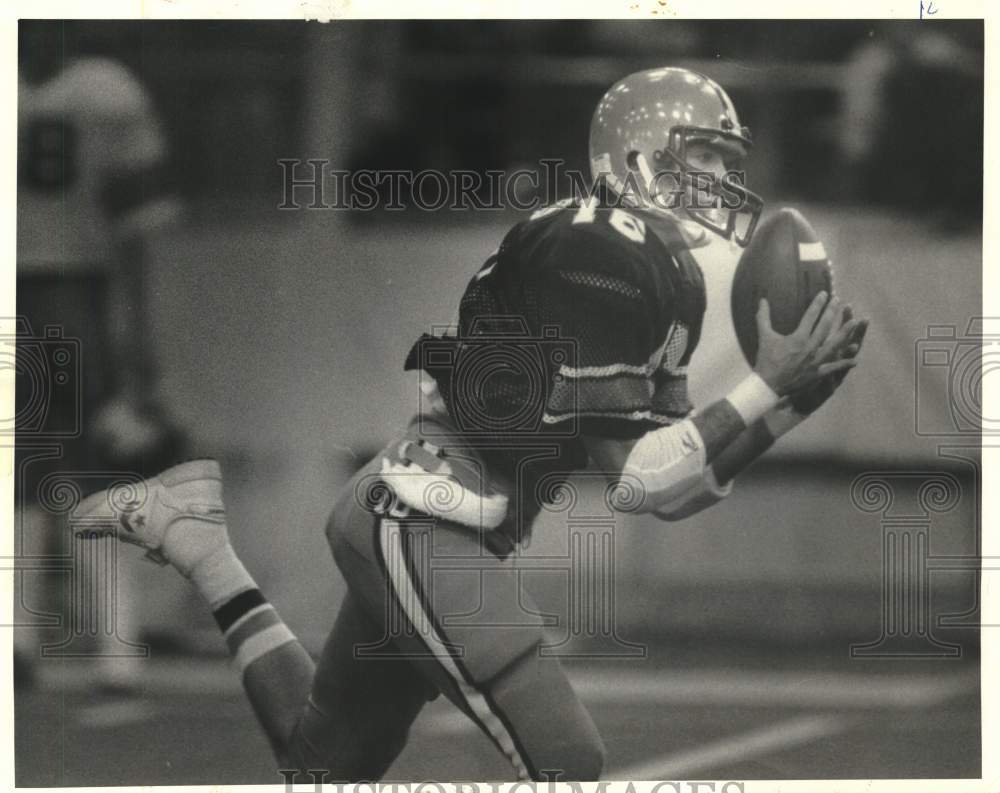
582,323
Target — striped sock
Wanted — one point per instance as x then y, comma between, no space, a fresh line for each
251,626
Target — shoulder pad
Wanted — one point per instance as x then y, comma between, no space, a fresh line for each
596,245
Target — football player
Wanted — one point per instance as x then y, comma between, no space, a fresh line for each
92,186
571,347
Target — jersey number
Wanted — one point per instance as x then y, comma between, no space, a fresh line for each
621,221
48,161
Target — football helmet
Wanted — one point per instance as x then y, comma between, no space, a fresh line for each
638,140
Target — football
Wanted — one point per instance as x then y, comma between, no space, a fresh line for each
786,263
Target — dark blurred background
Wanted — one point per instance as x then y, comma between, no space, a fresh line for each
827,101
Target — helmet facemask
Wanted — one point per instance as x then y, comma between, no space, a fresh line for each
722,205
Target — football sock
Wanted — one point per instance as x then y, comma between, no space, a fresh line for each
251,626
220,575
275,669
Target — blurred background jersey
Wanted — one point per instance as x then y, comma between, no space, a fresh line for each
90,151
91,158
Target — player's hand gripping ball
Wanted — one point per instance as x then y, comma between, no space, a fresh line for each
787,264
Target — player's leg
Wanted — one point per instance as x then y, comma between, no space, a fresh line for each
364,699
492,629
179,516
477,637
277,676
349,716
554,729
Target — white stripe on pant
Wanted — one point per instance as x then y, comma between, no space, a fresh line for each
391,539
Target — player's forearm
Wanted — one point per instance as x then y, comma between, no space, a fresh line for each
671,464
719,425
750,444
725,423
716,484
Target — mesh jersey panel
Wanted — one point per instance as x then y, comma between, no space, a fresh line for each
608,287
569,330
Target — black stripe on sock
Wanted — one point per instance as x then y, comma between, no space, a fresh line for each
230,611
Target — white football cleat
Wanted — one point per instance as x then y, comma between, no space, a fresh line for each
178,516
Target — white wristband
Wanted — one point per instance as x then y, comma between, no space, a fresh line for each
752,398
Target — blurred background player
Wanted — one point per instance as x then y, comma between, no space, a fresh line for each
92,185
894,82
